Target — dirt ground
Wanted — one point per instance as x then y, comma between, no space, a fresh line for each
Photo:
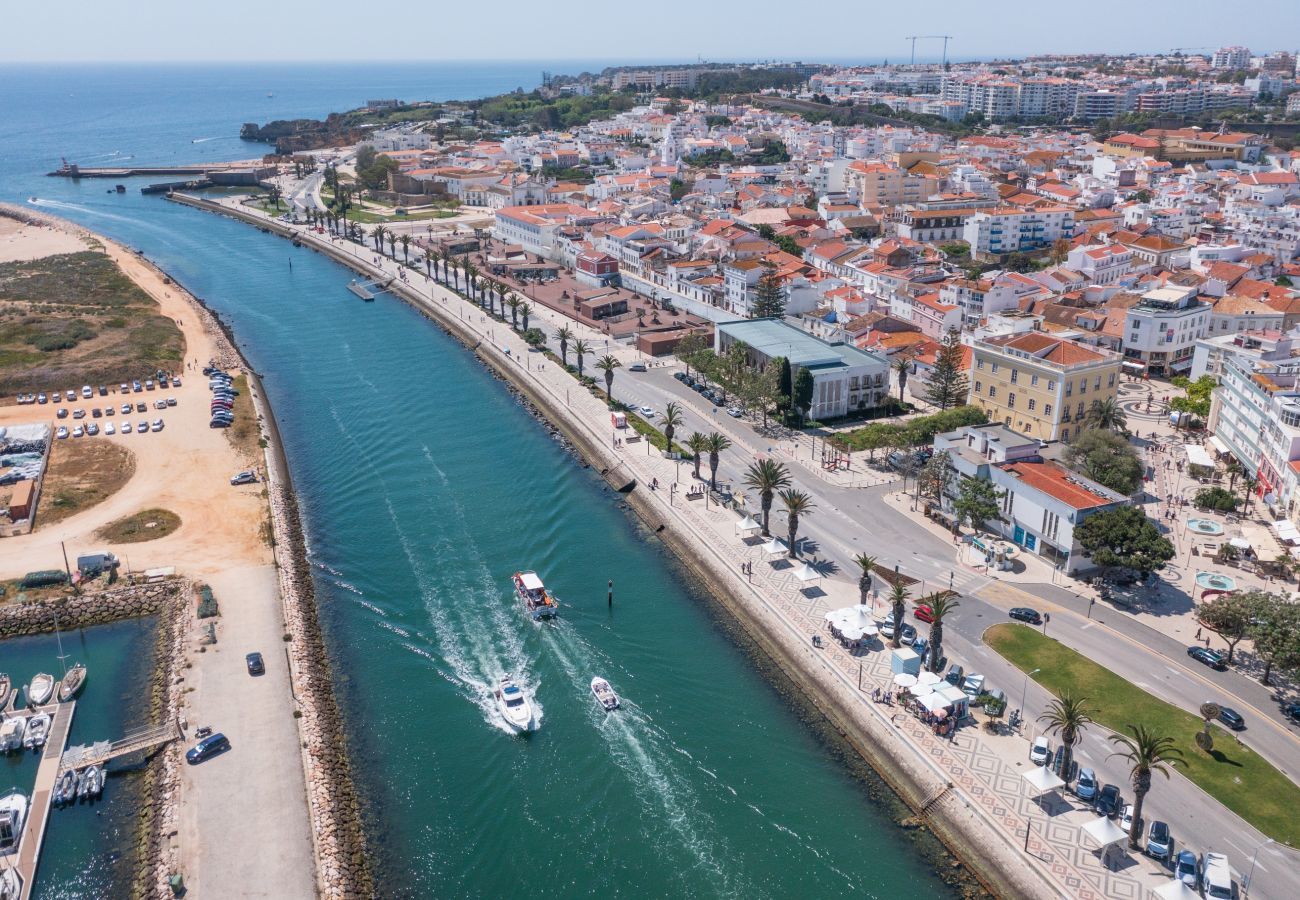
82,473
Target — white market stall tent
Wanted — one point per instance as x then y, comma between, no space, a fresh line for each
1042,779
748,526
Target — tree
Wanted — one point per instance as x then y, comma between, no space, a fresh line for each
867,565
514,303
1106,458
803,392
1146,752
1069,717
689,348
697,443
534,337
784,388
769,297
948,385
1106,415
580,349
898,597
608,364
934,476
715,443
1216,498
378,236
273,194
406,248
977,502
1230,615
670,419
902,368
1275,629
1124,537
1197,394
564,334
940,605
797,503
524,312
1060,250
767,476
392,244
759,392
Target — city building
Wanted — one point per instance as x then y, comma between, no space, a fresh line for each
1012,229
1161,331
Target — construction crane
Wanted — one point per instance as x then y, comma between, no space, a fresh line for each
916,37
1181,49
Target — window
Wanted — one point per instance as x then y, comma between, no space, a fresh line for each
1033,379
1065,434
1051,385
1015,375
993,391
995,368
1078,412
1069,389
979,363
1011,401
1032,404
979,387
1096,384
1047,409
1110,382
1083,385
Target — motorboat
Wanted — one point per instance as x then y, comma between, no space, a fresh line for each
604,694
11,733
65,788
40,690
13,813
72,683
514,705
539,602
10,885
6,690
91,783
38,729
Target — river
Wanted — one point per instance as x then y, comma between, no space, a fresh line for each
423,484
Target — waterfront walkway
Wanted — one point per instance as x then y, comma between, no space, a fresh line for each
38,809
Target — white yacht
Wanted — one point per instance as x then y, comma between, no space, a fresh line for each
38,729
604,694
13,813
10,884
514,705
11,733
40,690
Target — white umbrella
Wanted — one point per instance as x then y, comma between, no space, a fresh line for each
870,630
1104,831
852,634
774,548
748,525
922,689
934,702
1043,779
1240,543
807,573
929,678
1176,890
904,680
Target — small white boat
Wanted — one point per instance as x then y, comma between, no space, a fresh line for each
65,789
6,690
40,690
541,604
91,783
514,705
604,694
11,733
38,729
13,812
10,885
72,683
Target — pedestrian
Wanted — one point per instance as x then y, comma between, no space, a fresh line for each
1198,634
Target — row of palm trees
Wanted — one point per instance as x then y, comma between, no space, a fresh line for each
771,479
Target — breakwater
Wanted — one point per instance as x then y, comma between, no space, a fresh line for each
936,803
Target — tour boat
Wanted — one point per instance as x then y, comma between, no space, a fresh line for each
11,733
539,603
38,729
65,788
72,683
91,783
604,694
40,690
6,690
13,812
514,705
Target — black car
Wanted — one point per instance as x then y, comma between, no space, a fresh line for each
255,664
1025,614
1208,657
1231,718
1292,711
1108,801
207,748
956,675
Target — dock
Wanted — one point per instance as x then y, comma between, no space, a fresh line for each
72,170
367,290
38,809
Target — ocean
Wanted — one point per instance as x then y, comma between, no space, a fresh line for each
424,484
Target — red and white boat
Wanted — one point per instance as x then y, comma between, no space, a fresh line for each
539,602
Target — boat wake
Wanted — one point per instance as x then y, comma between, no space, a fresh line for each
202,140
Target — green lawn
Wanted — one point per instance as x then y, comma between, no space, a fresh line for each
1234,775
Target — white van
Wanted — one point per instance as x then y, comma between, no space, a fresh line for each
1216,876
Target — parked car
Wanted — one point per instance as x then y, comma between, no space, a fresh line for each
1159,842
1025,614
255,664
127,409
1108,801
955,674
680,376
1208,657
1216,876
924,614
109,428
1040,751
974,685
124,388
148,384
160,404
921,647
906,635
108,410
126,427
70,395
78,431
87,392
887,626
207,748
96,413
1086,787
157,425
142,427
103,390
1292,711
735,412
137,386
61,432
1231,718
78,413
1187,869
176,382
92,429
636,367
42,399
1126,818
245,477
171,401
61,412
142,407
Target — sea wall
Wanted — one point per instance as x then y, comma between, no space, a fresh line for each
934,801
87,609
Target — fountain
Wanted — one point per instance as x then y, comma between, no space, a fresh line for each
1205,526
1212,581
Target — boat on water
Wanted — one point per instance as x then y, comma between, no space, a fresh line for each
604,694
91,783
10,886
40,690
65,789
72,683
540,603
6,690
11,733
13,813
514,705
38,730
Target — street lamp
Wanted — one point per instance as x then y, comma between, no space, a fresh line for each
1025,693
1251,874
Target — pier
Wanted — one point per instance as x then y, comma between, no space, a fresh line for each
38,808
248,172
367,290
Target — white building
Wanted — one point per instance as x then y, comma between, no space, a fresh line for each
1231,58
1161,331
1011,229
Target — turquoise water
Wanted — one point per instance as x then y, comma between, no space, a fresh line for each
423,485
87,847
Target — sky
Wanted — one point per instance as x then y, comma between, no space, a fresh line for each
663,30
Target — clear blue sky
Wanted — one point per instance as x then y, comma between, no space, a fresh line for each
350,30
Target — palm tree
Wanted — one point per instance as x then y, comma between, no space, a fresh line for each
514,303
378,236
428,264
406,248
608,364
471,271
1146,752
797,503
1108,415
868,566
392,244
475,291
898,597
580,349
1248,483
697,443
940,605
902,368
273,194
455,272
444,257
524,312
715,443
564,334
671,418
1067,716
767,476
